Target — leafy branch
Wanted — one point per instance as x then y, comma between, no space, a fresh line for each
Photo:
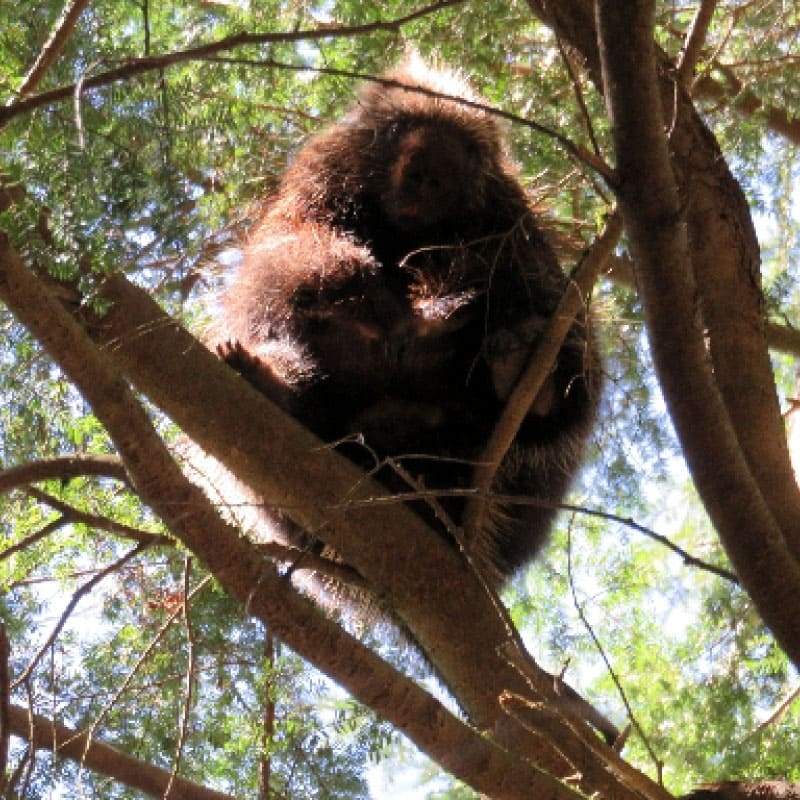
80,746
133,67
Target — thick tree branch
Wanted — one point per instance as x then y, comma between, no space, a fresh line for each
62,468
234,560
55,44
428,589
726,263
650,201
783,338
724,255
81,747
423,579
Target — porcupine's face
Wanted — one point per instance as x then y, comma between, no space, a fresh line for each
432,175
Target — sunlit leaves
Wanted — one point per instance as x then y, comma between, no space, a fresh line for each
154,175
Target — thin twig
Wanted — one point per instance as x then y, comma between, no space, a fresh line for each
543,356
90,731
5,693
526,500
72,514
688,558
576,88
76,597
29,760
268,730
190,667
68,576
51,527
601,650
583,154
138,66
773,717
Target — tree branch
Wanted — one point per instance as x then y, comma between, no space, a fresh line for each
695,39
591,159
649,198
726,264
81,747
72,514
62,30
428,584
327,495
725,261
191,665
783,338
687,558
140,66
539,366
233,559
62,468
51,527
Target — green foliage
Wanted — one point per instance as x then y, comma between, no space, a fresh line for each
154,175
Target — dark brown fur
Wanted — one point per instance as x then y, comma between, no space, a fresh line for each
394,288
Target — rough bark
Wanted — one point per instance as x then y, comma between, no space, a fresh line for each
747,484
445,606
660,244
144,341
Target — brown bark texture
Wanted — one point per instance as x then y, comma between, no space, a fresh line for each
692,238
695,241
445,606
178,373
